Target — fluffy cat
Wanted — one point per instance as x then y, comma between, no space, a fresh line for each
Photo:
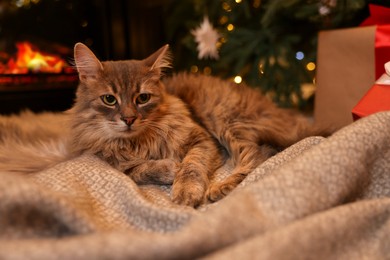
124,115
177,131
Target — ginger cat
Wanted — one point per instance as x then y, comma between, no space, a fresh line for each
177,130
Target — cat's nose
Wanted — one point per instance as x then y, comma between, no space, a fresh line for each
129,120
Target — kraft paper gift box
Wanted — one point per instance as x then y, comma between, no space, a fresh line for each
345,72
376,99
349,61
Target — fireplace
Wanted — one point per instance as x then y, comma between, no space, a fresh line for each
37,39
35,80
30,68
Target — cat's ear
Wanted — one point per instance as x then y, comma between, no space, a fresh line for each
88,66
159,60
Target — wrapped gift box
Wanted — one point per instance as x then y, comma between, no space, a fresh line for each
376,99
345,72
349,61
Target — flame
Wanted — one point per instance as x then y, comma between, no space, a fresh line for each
30,59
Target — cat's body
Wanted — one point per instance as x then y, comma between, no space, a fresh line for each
171,132
248,125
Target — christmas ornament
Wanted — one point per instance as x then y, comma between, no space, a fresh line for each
323,10
206,37
326,6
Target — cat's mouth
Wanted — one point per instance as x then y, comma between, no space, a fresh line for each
130,129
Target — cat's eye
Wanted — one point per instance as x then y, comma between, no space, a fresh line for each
109,100
143,98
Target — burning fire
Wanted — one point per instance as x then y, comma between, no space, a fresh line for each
29,59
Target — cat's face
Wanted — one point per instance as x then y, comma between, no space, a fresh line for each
120,98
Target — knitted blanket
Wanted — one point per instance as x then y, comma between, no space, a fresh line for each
322,198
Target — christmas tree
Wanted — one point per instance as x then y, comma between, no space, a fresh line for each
270,44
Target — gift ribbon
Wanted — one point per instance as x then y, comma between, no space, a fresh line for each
382,49
380,16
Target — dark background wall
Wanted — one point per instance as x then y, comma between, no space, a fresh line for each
114,30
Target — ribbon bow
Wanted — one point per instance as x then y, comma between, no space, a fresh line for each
378,15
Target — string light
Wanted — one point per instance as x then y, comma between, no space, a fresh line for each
238,1
226,7
230,27
220,42
194,69
24,3
223,20
261,71
299,55
237,79
207,70
311,66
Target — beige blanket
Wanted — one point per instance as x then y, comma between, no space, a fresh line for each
319,199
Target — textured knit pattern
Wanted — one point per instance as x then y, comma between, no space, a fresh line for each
322,198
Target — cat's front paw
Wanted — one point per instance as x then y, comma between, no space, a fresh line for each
154,172
189,195
217,191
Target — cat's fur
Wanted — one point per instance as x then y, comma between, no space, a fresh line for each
30,142
175,131
247,124
153,142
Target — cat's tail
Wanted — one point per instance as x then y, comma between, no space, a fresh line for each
31,157
31,142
